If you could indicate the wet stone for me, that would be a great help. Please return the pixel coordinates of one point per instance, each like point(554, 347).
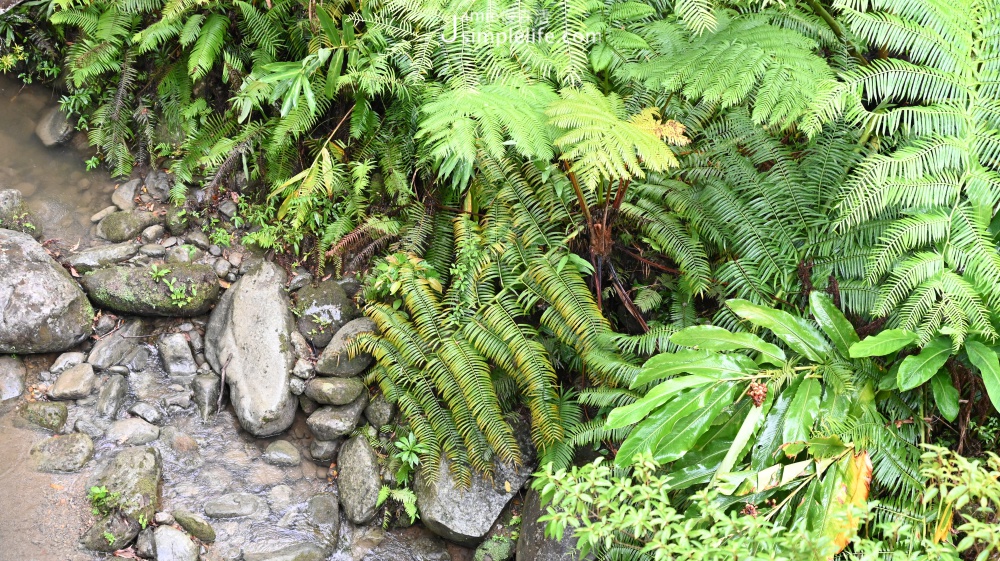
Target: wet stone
point(132, 432)
point(282, 453)
point(12, 374)
point(147, 412)
point(91, 427)
point(380, 412)
point(324, 450)
point(174, 545)
point(214, 250)
point(101, 215)
point(334, 391)
point(221, 268)
point(234, 505)
point(65, 361)
point(46, 414)
point(153, 250)
point(153, 233)
point(198, 239)
point(104, 325)
point(119, 369)
point(228, 209)
point(206, 388)
point(102, 256)
point(296, 552)
point(144, 545)
point(109, 400)
point(195, 525)
point(75, 383)
point(297, 386)
point(332, 422)
point(124, 195)
point(62, 453)
point(280, 498)
point(176, 354)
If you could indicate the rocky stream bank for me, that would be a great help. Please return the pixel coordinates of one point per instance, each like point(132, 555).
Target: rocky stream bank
point(206, 393)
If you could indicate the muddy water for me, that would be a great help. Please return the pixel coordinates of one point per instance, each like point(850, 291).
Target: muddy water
point(61, 194)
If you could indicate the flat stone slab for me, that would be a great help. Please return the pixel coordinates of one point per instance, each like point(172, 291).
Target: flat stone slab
point(63, 453)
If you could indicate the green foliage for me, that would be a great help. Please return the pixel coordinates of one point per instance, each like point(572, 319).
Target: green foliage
point(634, 513)
point(102, 502)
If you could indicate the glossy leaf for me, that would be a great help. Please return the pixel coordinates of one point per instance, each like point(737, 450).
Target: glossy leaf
point(712, 338)
point(832, 321)
point(770, 439)
point(945, 395)
point(826, 446)
point(917, 369)
point(797, 333)
point(802, 412)
point(635, 412)
point(659, 423)
point(676, 442)
point(738, 447)
point(886, 342)
point(703, 363)
point(985, 359)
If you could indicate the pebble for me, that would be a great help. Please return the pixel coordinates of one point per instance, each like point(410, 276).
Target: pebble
point(105, 324)
point(132, 432)
point(279, 498)
point(169, 242)
point(233, 505)
point(75, 383)
point(300, 279)
point(195, 525)
point(164, 518)
point(119, 369)
point(297, 386)
point(236, 259)
point(147, 412)
point(153, 233)
point(153, 250)
point(214, 250)
point(174, 545)
point(89, 427)
point(65, 361)
point(198, 239)
point(103, 214)
point(282, 453)
point(109, 401)
point(228, 209)
point(324, 450)
point(221, 268)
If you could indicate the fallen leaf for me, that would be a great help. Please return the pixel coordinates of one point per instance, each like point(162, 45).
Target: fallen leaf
point(506, 486)
point(56, 486)
point(224, 284)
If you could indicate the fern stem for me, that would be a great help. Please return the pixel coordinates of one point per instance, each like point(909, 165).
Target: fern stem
point(580, 197)
point(834, 25)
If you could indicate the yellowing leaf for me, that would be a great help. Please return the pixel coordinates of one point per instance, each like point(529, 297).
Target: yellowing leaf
point(506, 486)
point(944, 524)
point(855, 477)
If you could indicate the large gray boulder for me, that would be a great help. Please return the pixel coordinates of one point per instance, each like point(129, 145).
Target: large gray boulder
point(133, 290)
point(249, 335)
point(54, 127)
point(358, 481)
point(324, 308)
point(335, 360)
point(465, 515)
point(102, 256)
point(14, 214)
point(532, 545)
point(41, 309)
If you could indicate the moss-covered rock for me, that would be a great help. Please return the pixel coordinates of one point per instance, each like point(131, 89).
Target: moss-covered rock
point(177, 220)
point(46, 414)
point(125, 225)
point(134, 290)
point(14, 214)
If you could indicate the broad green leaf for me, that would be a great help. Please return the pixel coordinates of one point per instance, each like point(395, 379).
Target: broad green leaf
point(945, 395)
point(832, 321)
point(917, 369)
point(826, 446)
point(770, 436)
point(329, 26)
point(676, 442)
point(797, 333)
point(698, 465)
point(635, 412)
point(802, 412)
point(659, 423)
point(738, 448)
point(985, 359)
point(703, 363)
point(333, 73)
point(712, 338)
point(886, 342)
